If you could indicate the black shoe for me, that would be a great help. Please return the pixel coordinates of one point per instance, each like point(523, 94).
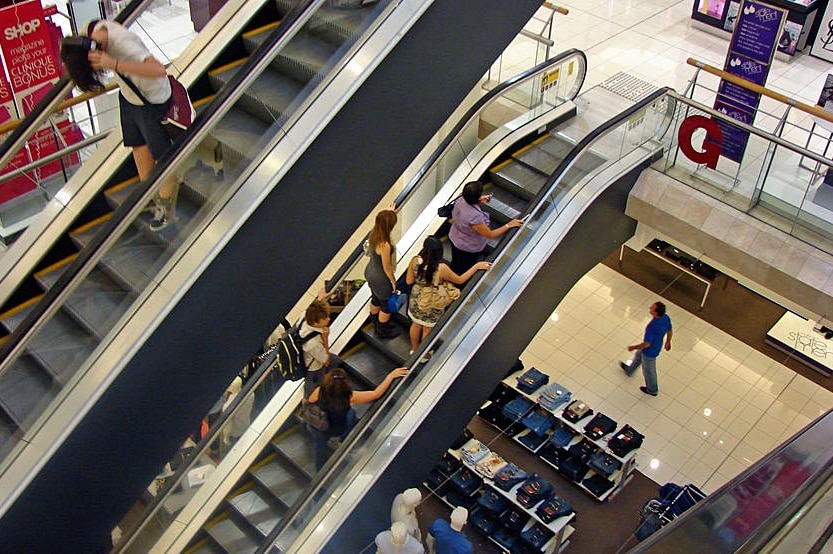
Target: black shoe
point(387, 330)
point(646, 391)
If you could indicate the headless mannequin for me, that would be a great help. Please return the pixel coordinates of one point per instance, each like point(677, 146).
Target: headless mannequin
point(404, 509)
point(443, 538)
point(397, 541)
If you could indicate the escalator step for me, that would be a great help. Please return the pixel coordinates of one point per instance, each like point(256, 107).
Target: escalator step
point(117, 194)
point(231, 537)
point(517, 179)
point(239, 133)
point(61, 346)
point(296, 447)
point(204, 546)
point(23, 388)
point(7, 432)
point(257, 510)
point(132, 260)
point(554, 145)
point(280, 481)
point(12, 317)
point(267, 98)
point(396, 348)
point(331, 24)
point(369, 364)
point(535, 157)
point(302, 59)
point(504, 205)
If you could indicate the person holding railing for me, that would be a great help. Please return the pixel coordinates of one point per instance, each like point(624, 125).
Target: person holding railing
point(337, 399)
point(109, 46)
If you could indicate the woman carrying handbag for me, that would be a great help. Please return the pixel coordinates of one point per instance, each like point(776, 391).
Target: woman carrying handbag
point(429, 275)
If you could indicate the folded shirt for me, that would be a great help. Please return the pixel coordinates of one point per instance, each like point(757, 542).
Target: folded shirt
point(554, 396)
point(490, 465)
point(474, 451)
point(576, 411)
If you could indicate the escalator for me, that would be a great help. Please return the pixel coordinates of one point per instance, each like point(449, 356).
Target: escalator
point(278, 474)
point(149, 372)
point(52, 360)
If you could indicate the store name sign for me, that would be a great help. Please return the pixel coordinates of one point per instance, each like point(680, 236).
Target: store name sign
point(709, 151)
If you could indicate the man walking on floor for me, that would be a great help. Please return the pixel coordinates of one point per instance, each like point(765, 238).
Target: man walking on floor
point(647, 351)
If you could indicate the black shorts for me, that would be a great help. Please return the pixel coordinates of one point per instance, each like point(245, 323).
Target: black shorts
point(142, 125)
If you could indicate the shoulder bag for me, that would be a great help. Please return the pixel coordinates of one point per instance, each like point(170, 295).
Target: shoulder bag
point(437, 296)
point(180, 112)
point(315, 416)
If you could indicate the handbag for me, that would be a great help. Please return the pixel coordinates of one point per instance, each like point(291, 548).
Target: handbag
point(448, 209)
point(395, 301)
point(180, 112)
point(315, 416)
point(437, 297)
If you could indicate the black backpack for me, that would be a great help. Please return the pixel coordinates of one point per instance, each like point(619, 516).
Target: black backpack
point(289, 356)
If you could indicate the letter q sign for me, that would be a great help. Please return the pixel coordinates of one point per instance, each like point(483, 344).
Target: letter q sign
point(710, 150)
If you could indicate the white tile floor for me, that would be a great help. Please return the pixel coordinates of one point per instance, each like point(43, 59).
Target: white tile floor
point(721, 406)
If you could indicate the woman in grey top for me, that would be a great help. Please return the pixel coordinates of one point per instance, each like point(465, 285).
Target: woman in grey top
point(379, 273)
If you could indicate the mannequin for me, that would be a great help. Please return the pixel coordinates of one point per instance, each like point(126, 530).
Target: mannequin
point(397, 541)
point(404, 509)
point(445, 538)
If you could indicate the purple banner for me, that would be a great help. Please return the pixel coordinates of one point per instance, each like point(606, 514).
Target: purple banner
point(751, 50)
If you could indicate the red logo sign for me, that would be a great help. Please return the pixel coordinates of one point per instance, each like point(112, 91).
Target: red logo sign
point(710, 150)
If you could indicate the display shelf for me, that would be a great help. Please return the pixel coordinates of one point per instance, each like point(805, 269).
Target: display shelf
point(619, 477)
point(526, 432)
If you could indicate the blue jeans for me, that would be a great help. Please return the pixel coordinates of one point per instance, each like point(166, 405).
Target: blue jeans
point(322, 450)
point(649, 370)
point(313, 379)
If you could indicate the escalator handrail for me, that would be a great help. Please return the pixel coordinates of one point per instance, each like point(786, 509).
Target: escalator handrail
point(369, 419)
point(122, 216)
point(59, 91)
point(408, 189)
point(214, 430)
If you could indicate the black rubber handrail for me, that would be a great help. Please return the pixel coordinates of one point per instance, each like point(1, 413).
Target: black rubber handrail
point(450, 137)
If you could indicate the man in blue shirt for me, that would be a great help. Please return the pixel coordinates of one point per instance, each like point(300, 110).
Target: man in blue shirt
point(647, 351)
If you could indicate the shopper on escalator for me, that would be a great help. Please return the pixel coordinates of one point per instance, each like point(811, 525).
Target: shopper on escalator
point(379, 273)
point(109, 46)
point(429, 270)
point(337, 399)
point(470, 228)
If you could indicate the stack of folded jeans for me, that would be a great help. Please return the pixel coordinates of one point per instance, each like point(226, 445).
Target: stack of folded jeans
point(604, 464)
point(531, 380)
point(552, 508)
point(539, 420)
point(484, 520)
point(572, 467)
point(493, 501)
point(516, 409)
point(505, 537)
point(537, 536)
point(466, 481)
point(562, 436)
point(584, 450)
point(599, 426)
point(509, 476)
point(474, 451)
point(533, 490)
point(532, 440)
point(502, 394)
point(598, 484)
point(554, 396)
point(625, 440)
point(490, 465)
point(448, 464)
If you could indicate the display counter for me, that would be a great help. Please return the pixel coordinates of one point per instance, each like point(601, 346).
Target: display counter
point(803, 340)
point(721, 15)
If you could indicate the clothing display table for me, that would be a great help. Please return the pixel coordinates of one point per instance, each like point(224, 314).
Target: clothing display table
point(800, 339)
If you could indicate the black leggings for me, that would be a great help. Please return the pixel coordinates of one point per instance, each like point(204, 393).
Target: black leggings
point(462, 261)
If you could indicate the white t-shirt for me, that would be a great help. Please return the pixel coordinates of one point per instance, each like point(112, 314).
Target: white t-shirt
point(124, 44)
point(315, 355)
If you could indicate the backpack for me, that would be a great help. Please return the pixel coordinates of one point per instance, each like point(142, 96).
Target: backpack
point(289, 357)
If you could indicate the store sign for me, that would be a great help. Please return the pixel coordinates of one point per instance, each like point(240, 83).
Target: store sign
point(710, 149)
point(822, 47)
point(751, 50)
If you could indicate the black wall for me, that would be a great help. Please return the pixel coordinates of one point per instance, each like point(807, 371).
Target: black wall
point(584, 246)
point(116, 450)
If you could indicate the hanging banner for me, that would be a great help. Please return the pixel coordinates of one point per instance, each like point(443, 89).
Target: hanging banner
point(751, 50)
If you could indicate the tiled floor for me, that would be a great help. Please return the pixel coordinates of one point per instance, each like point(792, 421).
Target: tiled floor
point(721, 406)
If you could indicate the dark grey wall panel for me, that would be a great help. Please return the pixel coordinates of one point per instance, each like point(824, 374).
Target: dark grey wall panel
point(601, 229)
point(97, 474)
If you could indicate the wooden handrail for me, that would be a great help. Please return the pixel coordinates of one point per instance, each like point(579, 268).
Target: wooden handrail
point(558, 9)
point(80, 99)
point(763, 91)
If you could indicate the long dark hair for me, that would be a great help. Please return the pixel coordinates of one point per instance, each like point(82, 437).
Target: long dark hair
point(385, 221)
point(432, 255)
point(74, 52)
point(335, 392)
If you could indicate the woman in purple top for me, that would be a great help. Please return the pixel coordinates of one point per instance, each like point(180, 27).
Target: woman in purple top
point(470, 228)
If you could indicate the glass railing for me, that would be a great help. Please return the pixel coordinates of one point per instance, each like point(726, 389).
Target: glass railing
point(747, 512)
point(388, 424)
point(48, 146)
point(97, 294)
point(173, 501)
point(781, 177)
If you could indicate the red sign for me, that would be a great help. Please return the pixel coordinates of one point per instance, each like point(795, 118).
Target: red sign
point(710, 150)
